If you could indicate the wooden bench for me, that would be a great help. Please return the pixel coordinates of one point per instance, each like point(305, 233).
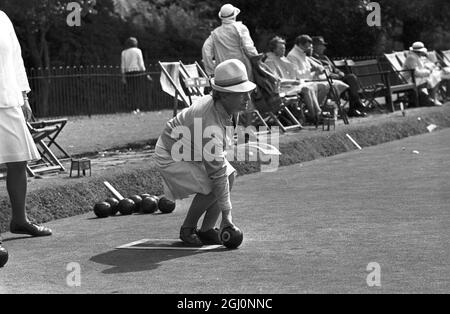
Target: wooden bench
point(379, 79)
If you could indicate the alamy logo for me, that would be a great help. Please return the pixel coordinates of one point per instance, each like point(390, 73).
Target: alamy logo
point(374, 278)
point(74, 17)
point(73, 279)
point(374, 18)
point(208, 144)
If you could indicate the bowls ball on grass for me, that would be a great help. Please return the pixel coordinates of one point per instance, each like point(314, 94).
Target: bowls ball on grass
point(166, 206)
point(231, 237)
point(114, 205)
point(149, 205)
point(126, 207)
point(3, 256)
point(102, 209)
point(137, 201)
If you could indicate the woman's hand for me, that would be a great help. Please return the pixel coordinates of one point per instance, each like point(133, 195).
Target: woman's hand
point(27, 112)
point(227, 221)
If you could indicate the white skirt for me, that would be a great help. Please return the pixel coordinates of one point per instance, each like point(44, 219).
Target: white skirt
point(16, 142)
point(182, 179)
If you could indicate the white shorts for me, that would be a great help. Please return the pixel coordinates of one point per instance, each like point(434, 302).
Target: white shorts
point(16, 142)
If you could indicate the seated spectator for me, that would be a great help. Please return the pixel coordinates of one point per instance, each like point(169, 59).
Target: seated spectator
point(289, 76)
point(427, 75)
point(356, 105)
point(310, 69)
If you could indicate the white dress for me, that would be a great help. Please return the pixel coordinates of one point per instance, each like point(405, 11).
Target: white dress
point(16, 142)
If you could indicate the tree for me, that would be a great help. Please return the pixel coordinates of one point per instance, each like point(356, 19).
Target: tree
point(34, 23)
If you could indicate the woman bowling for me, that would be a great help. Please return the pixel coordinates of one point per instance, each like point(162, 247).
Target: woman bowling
point(16, 144)
point(200, 166)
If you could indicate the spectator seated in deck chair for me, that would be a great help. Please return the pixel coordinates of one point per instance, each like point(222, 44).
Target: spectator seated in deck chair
point(311, 70)
point(290, 81)
point(356, 107)
point(427, 74)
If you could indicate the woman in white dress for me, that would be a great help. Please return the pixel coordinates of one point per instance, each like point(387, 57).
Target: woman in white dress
point(202, 169)
point(16, 143)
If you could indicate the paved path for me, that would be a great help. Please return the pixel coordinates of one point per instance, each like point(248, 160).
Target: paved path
point(308, 228)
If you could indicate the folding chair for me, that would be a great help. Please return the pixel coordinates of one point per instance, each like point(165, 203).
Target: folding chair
point(171, 84)
point(433, 57)
point(284, 117)
point(42, 132)
point(445, 56)
point(398, 83)
point(57, 125)
point(372, 82)
point(401, 56)
point(271, 106)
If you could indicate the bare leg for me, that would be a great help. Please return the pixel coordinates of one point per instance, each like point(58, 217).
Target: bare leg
point(198, 207)
point(213, 212)
point(16, 184)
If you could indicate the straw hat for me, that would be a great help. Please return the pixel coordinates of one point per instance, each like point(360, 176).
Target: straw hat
point(228, 12)
point(418, 46)
point(231, 77)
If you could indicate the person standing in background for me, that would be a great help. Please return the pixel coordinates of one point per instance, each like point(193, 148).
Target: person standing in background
point(134, 74)
point(231, 40)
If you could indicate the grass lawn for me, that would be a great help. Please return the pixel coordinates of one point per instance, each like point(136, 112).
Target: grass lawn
point(308, 228)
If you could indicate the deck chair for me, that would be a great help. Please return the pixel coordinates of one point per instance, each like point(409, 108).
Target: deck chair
point(398, 83)
point(445, 56)
point(284, 118)
point(57, 125)
point(171, 83)
point(401, 56)
point(44, 134)
point(372, 82)
point(271, 106)
point(435, 58)
point(194, 81)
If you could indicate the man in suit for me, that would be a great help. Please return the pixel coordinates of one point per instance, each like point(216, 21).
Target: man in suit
point(356, 105)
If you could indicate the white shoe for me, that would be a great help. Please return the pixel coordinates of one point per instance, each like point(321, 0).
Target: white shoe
point(437, 103)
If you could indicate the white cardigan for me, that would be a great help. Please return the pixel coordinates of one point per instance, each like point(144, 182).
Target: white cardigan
point(13, 77)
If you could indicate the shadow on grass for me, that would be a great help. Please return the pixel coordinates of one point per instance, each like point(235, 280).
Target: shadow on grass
point(132, 261)
point(14, 238)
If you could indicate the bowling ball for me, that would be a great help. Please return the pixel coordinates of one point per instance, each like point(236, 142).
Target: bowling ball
point(126, 206)
point(102, 210)
point(149, 205)
point(145, 195)
point(231, 238)
point(165, 205)
point(137, 200)
point(3, 256)
point(114, 205)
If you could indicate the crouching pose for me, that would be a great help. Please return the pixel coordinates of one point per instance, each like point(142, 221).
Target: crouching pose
point(190, 154)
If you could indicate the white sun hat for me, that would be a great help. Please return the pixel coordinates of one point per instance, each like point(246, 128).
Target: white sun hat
point(228, 12)
point(231, 76)
point(418, 46)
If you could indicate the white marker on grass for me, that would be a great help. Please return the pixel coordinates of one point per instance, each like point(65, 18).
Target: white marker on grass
point(353, 141)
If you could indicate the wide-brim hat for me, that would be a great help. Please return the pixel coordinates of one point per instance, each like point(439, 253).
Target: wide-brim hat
point(228, 11)
point(231, 76)
point(418, 46)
